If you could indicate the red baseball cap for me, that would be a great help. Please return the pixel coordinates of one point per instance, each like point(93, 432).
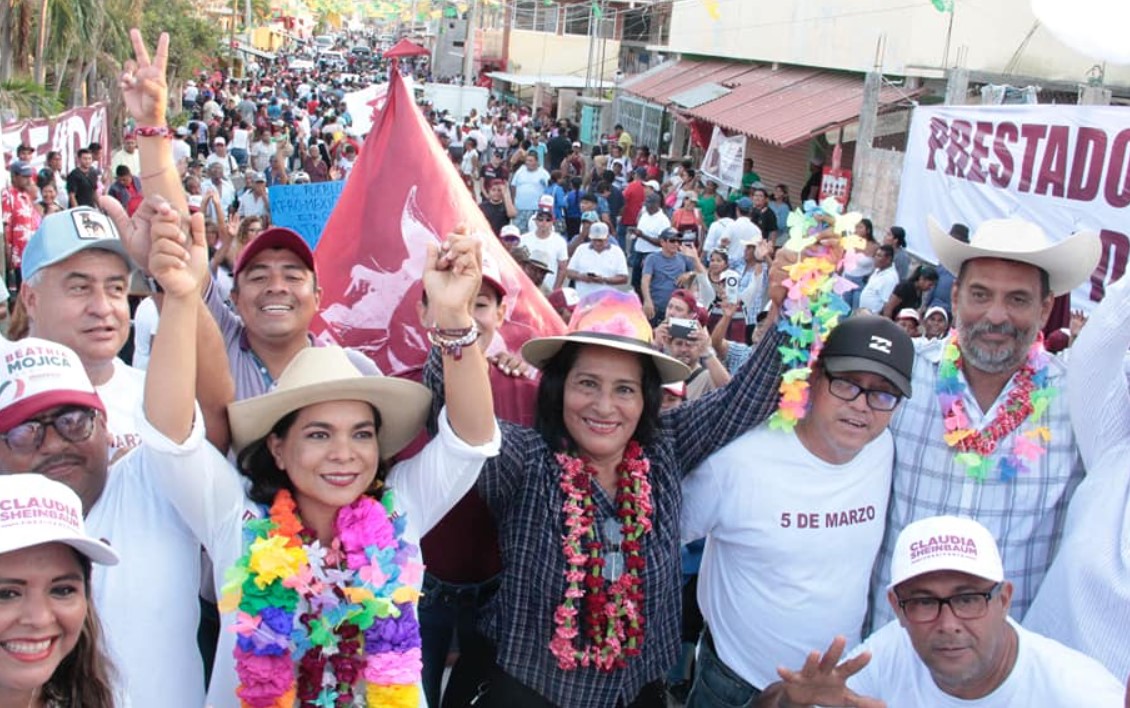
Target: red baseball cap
point(275, 237)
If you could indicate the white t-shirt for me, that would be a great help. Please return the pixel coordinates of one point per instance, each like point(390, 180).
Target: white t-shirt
point(144, 329)
point(226, 193)
point(607, 263)
point(790, 542)
point(528, 186)
point(252, 205)
point(261, 154)
point(714, 236)
point(148, 602)
point(209, 494)
point(878, 290)
point(551, 250)
point(228, 162)
point(1046, 675)
point(240, 139)
point(181, 153)
point(742, 230)
point(652, 225)
point(122, 395)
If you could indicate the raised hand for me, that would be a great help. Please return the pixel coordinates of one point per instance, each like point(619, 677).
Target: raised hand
point(144, 89)
point(823, 680)
point(452, 277)
point(174, 255)
point(133, 230)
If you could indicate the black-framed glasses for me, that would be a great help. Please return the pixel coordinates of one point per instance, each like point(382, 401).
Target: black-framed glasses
point(73, 425)
point(966, 605)
point(877, 399)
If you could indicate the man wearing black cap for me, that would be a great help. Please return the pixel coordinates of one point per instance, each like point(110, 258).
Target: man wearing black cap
point(661, 271)
point(792, 539)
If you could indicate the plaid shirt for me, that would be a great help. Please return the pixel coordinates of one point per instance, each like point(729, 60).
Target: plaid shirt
point(522, 488)
point(1026, 514)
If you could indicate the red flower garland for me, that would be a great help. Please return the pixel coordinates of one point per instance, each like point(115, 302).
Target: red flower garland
point(614, 622)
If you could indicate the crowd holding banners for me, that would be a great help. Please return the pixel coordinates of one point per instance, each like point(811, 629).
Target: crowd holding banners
point(555, 641)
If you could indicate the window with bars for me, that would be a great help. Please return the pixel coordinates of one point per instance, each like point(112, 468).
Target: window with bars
point(535, 15)
point(581, 17)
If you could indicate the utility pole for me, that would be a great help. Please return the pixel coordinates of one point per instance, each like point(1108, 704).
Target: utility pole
point(469, 45)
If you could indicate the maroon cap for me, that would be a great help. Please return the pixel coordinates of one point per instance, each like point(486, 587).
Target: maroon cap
point(275, 237)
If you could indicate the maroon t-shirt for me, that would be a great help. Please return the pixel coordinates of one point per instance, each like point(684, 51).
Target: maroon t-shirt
point(463, 546)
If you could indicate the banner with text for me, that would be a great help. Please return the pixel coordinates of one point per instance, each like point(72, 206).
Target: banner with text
point(1066, 168)
point(723, 160)
point(66, 133)
point(304, 207)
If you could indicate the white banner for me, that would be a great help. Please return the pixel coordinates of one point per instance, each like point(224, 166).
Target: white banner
point(1066, 168)
point(723, 160)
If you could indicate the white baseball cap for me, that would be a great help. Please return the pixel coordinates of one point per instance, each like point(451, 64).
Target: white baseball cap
point(509, 230)
point(940, 543)
point(35, 510)
point(908, 313)
point(598, 231)
point(653, 184)
point(39, 375)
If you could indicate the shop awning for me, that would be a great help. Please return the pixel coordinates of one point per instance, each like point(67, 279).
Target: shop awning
point(782, 106)
point(557, 81)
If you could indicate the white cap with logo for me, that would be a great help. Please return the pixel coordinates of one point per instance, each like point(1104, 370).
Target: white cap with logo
point(35, 510)
point(940, 543)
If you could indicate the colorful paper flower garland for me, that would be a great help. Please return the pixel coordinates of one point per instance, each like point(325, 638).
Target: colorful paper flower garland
point(814, 302)
point(313, 621)
point(1028, 400)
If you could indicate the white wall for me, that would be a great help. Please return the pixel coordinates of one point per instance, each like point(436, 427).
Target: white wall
point(843, 34)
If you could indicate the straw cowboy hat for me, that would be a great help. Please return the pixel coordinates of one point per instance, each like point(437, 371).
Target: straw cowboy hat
point(1068, 262)
point(321, 374)
point(608, 318)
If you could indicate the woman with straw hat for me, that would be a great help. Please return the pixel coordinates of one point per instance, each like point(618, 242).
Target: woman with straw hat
point(587, 503)
point(324, 571)
point(51, 653)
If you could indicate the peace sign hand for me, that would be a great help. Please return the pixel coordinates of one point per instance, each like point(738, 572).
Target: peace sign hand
point(144, 90)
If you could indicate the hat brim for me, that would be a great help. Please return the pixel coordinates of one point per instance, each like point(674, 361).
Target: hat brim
point(1068, 263)
point(539, 351)
point(844, 364)
point(96, 551)
point(403, 406)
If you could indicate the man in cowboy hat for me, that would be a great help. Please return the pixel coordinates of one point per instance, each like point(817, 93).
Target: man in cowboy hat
point(986, 437)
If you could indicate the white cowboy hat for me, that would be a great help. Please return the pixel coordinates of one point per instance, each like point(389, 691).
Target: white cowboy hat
point(321, 374)
point(1067, 263)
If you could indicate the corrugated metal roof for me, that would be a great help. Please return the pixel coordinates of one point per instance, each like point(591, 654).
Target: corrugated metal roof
point(699, 95)
point(781, 106)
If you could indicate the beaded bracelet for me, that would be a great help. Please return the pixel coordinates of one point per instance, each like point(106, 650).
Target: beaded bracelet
point(152, 131)
point(450, 346)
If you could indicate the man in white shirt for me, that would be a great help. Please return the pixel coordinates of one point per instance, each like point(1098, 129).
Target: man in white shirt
point(261, 151)
point(220, 156)
point(127, 155)
point(881, 283)
point(182, 151)
point(54, 423)
point(952, 642)
point(598, 264)
point(254, 200)
point(816, 499)
point(743, 229)
point(529, 184)
point(224, 189)
point(645, 236)
point(543, 241)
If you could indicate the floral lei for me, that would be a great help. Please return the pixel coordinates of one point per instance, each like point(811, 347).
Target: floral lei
point(1029, 398)
point(313, 621)
point(613, 615)
point(814, 302)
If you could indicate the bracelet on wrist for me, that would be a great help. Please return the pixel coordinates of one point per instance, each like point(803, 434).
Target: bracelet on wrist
point(453, 346)
point(153, 131)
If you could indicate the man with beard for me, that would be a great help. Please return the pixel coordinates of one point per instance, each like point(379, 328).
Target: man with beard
point(990, 435)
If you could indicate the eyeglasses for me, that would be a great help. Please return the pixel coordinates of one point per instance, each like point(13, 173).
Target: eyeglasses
point(966, 605)
point(877, 399)
point(543, 217)
point(75, 425)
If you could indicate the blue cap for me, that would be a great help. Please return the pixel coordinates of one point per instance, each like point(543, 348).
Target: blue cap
point(65, 233)
point(21, 168)
point(745, 203)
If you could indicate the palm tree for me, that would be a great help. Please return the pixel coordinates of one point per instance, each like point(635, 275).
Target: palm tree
point(23, 97)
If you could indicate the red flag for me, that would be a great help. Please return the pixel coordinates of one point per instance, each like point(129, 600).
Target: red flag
point(402, 194)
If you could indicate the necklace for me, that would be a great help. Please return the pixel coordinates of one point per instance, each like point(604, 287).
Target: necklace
point(613, 621)
point(313, 622)
point(1028, 399)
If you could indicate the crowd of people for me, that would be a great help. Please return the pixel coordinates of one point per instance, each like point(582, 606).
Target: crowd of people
point(616, 516)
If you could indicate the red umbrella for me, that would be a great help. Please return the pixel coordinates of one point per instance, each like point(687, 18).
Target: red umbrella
point(404, 48)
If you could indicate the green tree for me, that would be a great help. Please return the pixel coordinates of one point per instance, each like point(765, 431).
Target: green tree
point(192, 39)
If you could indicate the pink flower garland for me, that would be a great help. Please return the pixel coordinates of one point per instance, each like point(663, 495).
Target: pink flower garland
point(614, 621)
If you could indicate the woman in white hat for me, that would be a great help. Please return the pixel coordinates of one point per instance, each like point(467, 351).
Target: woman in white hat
point(51, 653)
point(587, 504)
point(324, 569)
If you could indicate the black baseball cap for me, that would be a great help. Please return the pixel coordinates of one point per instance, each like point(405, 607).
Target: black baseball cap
point(872, 344)
point(670, 235)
